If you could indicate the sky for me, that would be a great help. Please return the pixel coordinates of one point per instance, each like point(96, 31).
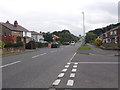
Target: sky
point(57, 15)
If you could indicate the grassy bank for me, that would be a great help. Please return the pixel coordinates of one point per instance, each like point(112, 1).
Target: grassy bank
point(84, 47)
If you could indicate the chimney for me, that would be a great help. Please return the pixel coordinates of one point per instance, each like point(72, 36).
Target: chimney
point(7, 22)
point(15, 23)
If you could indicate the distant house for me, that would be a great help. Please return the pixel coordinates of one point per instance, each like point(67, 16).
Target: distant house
point(10, 32)
point(111, 37)
point(55, 37)
point(38, 37)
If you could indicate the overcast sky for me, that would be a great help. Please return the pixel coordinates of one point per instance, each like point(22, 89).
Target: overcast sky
point(56, 15)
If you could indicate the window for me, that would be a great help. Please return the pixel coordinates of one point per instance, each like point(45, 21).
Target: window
point(111, 33)
point(115, 32)
point(5, 34)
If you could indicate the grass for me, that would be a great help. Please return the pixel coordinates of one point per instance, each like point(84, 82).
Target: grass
point(112, 47)
point(84, 47)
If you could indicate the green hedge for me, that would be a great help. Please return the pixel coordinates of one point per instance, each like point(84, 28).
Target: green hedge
point(40, 45)
point(34, 45)
point(31, 45)
point(11, 45)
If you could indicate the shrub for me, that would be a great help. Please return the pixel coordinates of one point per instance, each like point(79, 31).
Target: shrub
point(31, 45)
point(11, 45)
point(2, 44)
point(98, 41)
point(19, 39)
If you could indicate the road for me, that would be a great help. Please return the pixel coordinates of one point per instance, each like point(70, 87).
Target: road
point(59, 68)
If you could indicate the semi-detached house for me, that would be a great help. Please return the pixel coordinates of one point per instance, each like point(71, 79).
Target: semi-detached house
point(38, 37)
point(111, 37)
point(10, 32)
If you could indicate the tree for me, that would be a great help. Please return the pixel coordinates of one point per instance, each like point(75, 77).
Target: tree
point(90, 37)
point(48, 37)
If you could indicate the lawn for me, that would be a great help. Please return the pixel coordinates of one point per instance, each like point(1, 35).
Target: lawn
point(84, 47)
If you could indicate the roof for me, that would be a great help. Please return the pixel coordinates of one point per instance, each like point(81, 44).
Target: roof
point(35, 33)
point(13, 28)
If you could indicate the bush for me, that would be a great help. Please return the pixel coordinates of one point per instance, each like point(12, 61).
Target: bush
point(98, 41)
point(2, 44)
point(19, 39)
point(31, 45)
point(11, 45)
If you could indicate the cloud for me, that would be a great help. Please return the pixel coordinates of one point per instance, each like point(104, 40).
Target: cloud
point(51, 15)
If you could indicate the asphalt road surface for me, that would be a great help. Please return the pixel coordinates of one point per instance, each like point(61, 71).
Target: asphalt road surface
point(59, 68)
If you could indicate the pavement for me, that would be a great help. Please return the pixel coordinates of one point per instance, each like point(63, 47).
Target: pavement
point(63, 67)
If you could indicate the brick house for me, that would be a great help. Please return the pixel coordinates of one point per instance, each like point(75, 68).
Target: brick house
point(10, 32)
point(111, 37)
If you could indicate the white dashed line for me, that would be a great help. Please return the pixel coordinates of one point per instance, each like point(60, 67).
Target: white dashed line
point(10, 64)
point(35, 56)
point(43, 54)
point(56, 82)
point(75, 66)
point(72, 75)
point(70, 82)
point(67, 66)
point(76, 63)
point(61, 75)
point(64, 70)
point(74, 70)
point(68, 63)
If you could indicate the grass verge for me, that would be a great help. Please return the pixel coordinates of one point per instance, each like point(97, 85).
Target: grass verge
point(84, 47)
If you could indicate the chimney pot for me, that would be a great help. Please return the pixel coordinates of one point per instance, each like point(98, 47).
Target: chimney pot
point(7, 22)
point(16, 23)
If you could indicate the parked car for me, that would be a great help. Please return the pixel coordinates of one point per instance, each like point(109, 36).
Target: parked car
point(55, 45)
point(66, 43)
point(72, 43)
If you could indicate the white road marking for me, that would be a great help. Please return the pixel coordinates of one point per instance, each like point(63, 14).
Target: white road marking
point(43, 54)
point(35, 56)
point(67, 66)
point(70, 82)
point(61, 75)
point(75, 66)
point(74, 70)
point(10, 64)
point(76, 63)
point(68, 63)
point(72, 75)
point(97, 62)
point(56, 82)
point(64, 70)
point(72, 57)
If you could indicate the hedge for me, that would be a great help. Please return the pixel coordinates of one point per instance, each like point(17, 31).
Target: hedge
point(31, 45)
point(10, 44)
point(40, 45)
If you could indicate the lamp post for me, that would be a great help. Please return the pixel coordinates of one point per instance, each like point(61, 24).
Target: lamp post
point(83, 26)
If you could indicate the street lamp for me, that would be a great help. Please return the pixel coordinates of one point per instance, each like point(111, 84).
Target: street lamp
point(83, 26)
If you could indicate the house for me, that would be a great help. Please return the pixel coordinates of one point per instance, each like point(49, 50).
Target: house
point(111, 37)
point(38, 37)
point(55, 37)
point(10, 32)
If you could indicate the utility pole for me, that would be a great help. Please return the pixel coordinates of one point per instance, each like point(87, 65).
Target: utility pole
point(83, 26)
